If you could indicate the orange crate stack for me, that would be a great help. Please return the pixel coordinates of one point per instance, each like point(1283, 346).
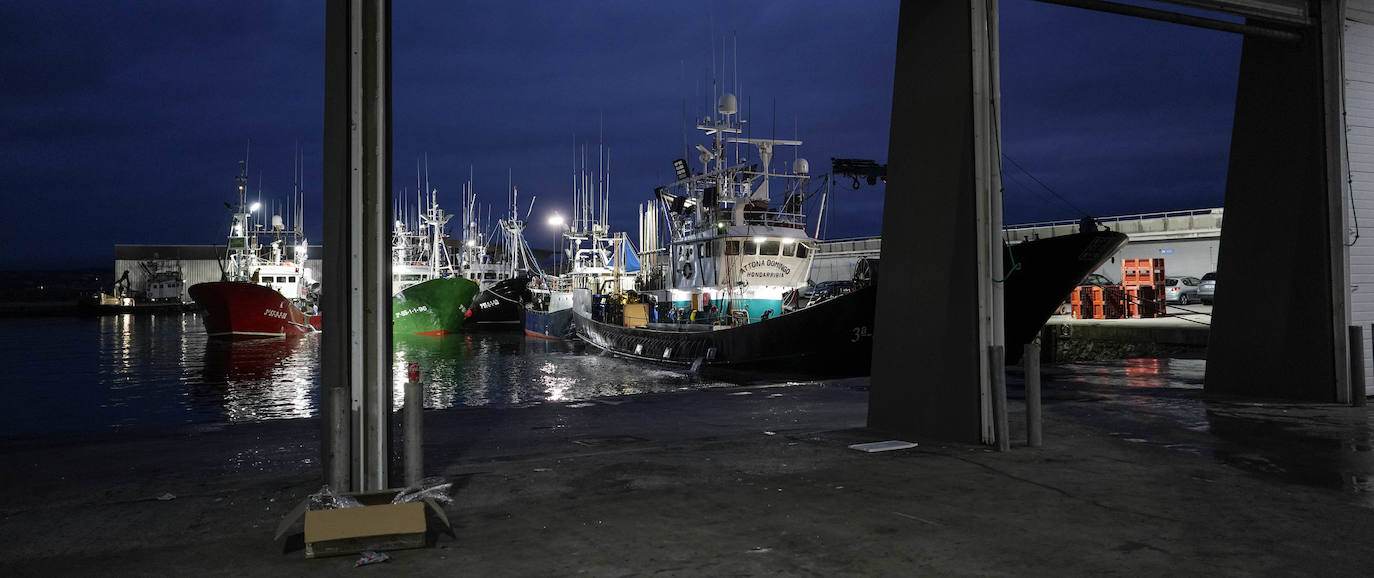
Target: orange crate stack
point(1143, 274)
point(1099, 303)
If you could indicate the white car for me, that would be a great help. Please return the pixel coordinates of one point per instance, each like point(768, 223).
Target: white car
point(1181, 290)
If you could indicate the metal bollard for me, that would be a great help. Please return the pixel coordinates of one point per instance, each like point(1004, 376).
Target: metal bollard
point(1031, 364)
point(998, 367)
point(414, 428)
point(1356, 348)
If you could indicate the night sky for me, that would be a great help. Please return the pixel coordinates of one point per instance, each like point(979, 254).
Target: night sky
point(125, 123)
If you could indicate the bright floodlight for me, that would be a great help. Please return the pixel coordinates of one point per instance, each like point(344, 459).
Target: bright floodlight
point(556, 220)
point(472, 243)
point(254, 207)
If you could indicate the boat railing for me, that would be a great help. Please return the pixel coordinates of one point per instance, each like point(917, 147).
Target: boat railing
point(762, 217)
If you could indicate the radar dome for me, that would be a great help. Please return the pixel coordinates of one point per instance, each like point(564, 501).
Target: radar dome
point(801, 167)
point(727, 104)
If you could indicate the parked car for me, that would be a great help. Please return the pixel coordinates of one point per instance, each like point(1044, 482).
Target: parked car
point(827, 289)
point(1097, 279)
point(1207, 288)
point(1181, 290)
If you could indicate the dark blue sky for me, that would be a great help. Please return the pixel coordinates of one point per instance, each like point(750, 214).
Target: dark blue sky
point(125, 123)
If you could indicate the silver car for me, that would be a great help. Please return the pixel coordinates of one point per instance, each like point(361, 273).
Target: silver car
point(1181, 290)
point(1207, 288)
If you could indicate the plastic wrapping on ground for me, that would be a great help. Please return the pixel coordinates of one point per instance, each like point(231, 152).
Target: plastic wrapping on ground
point(328, 499)
point(371, 558)
point(434, 487)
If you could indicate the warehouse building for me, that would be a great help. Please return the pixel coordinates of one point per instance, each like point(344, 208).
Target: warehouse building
point(198, 263)
point(1186, 240)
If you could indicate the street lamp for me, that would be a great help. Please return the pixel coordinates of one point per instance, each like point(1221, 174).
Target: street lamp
point(555, 221)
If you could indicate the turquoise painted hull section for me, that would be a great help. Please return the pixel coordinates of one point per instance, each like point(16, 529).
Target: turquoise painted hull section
point(755, 307)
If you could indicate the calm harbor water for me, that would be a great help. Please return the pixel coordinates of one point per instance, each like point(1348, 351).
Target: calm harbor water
point(80, 375)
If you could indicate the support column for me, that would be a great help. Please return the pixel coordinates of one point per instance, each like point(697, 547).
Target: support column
point(356, 301)
point(1279, 325)
point(939, 305)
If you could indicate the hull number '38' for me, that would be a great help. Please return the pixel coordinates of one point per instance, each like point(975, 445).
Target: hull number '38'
point(860, 333)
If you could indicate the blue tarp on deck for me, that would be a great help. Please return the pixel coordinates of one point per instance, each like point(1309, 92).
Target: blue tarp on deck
point(631, 258)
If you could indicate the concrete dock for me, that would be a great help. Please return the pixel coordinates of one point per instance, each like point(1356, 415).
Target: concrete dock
point(1182, 333)
point(1141, 474)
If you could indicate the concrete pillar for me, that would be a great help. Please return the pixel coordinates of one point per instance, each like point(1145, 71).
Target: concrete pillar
point(356, 301)
point(931, 372)
point(1279, 325)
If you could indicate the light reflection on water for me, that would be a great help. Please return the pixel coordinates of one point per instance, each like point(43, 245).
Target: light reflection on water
point(70, 375)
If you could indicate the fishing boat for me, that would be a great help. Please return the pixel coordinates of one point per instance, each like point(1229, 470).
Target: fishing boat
point(429, 297)
point(724, 291)
point(597, 261)
point(265, 288)
point(161, 293)
point(507, 268)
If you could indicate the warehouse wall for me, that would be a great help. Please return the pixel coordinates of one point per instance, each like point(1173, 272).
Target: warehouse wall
point(1182, 257)
point(1359, 142)
point(194, 270)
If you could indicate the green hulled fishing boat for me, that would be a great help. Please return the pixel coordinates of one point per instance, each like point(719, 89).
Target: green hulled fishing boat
point(429, 298)
point(433, 307)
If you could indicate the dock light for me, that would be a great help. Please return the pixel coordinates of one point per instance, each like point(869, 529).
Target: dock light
point(720, 225)
point(760, 239)
point(254, 207)
point(556, 220)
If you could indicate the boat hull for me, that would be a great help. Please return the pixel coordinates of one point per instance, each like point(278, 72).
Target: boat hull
point(245, 310)
point(502, 306)
point(834, 337)
point(433, 307)
point(1048, 271)
point(550, 324)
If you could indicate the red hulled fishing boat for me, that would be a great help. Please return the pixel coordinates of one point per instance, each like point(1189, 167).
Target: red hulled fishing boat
point(263, 292)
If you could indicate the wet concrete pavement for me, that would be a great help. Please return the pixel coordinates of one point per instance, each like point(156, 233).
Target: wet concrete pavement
point(1141, 474)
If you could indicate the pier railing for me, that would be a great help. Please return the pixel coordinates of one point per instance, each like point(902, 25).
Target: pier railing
point(1198, 222)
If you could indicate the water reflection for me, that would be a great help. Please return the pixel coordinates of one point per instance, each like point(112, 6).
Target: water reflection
point(1136, 373)
point(257, 379)
point(74, 375)
point(509, 369)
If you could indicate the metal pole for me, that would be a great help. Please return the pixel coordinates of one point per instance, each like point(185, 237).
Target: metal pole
point(997, 355)
point(1357, 390)
point(339, 444)
point(356, 345)
point(1030, 362)
point(414, 432)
